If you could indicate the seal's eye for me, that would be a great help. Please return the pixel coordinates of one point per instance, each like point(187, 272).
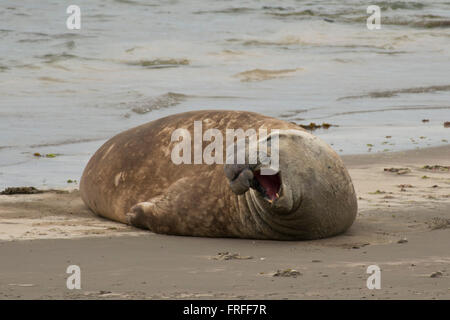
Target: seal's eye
point(268, 185)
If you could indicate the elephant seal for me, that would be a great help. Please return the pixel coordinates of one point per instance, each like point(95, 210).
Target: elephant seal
point(133, 179)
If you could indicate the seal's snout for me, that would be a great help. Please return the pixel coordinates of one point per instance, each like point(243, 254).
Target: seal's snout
point(240, 178)
point(244, 177)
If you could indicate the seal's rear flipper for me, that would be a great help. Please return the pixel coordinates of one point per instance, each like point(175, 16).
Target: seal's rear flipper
point(137, 216)
point(152, 215)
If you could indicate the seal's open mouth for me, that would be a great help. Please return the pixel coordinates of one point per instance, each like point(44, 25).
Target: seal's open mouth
point(268, 185)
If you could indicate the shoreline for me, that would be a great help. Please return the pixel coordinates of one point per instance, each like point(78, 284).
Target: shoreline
point(440, 153)
point(349, 159)
point(403, 225)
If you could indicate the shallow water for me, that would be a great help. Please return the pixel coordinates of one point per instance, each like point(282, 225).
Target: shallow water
point(66, 92)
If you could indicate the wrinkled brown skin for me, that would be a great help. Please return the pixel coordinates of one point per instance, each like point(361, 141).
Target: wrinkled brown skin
point(133, 174)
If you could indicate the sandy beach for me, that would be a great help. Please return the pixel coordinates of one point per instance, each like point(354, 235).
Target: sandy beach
point(402, 226)
point(376, 90)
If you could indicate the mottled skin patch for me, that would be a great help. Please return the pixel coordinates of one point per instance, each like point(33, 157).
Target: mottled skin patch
point(136, 182)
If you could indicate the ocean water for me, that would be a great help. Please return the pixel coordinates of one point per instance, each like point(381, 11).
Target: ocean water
point(65, 92)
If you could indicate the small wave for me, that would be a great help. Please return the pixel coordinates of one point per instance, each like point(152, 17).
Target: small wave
point(281, 40)
point(3, 68)
point(350, 10)
point(28, 66)
point(69, 35)
point(404, 108)
point(51, 79)
point(429, 16)
point(55, 57)
point(261, 74)
point(342, 60)
point(127, 1)
point(401, 21)
point(159, 63)
point(414, 22)
point(228, 53)
point(136, 3)
point(101, 16)
point(277, 8)
point(400, 108)
point(292, 40)
point(167, 100)
point(33, 40)
point(64, 142)
point(307, 12)
point(392, 93)
point(38, 34)
point(430, 24)
point(392, 52)
point(233, 10)
point(352, 15)
point(395, 5)
point(292, 113)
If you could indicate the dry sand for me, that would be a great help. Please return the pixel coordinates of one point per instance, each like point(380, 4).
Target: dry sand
point(42, 234)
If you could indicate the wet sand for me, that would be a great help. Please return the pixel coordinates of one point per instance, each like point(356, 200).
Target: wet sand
point(403, 226)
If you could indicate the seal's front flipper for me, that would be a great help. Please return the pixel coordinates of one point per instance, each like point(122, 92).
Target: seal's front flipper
point(168, 213)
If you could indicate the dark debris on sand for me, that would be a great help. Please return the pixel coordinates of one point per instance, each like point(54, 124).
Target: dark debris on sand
point(313, 126)
point(230, 256)
point(29, 190)
point(398, 170)
point(287, 273)
point(437, 167)
point(439, 223)
point(21, 190)
point(436, 274)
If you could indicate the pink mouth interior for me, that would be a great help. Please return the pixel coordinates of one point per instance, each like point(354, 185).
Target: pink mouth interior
point(270, 183)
